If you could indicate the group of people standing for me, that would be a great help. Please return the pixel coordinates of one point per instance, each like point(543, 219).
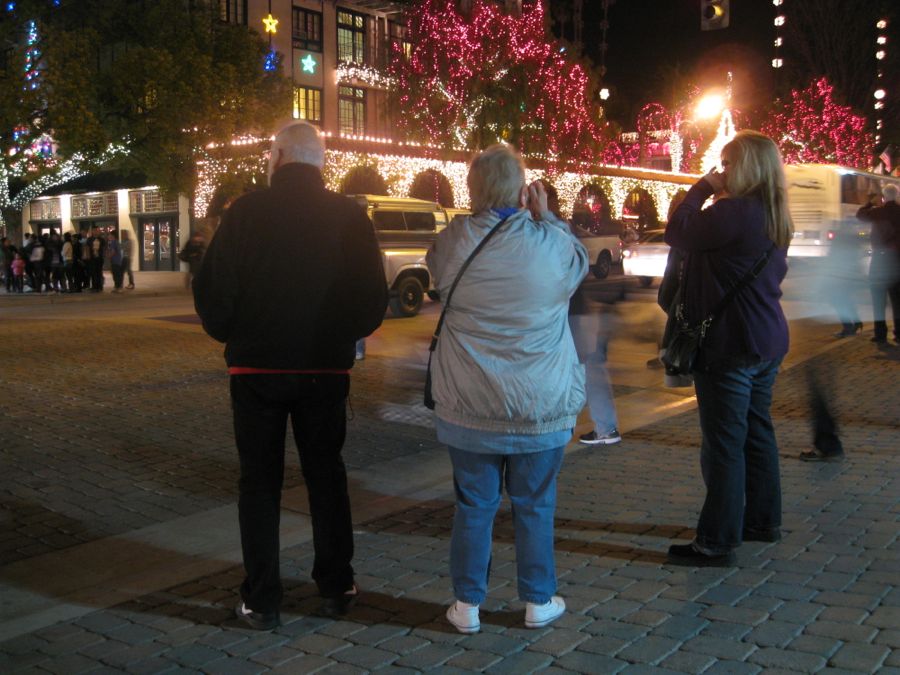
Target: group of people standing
point(506, 383)
point(70, 263)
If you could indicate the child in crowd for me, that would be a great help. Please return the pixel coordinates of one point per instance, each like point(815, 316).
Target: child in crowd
point(18, 272)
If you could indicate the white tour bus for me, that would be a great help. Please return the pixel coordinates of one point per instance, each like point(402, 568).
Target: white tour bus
point(821, 196)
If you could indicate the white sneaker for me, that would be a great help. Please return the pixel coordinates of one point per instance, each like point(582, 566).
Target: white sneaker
point(538, 616)
point(464, 617)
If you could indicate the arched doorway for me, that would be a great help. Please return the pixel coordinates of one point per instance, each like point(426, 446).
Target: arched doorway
point(639, 210)
point(364, 180)
point(591, 210)
point(433, 186)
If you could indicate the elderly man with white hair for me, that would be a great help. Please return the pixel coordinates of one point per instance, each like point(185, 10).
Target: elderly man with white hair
point(291, 280)
point(884, 272)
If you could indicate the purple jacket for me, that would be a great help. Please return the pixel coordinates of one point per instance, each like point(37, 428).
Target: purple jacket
point(722, 243)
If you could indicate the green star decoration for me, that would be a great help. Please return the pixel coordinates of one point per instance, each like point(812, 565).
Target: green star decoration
point(309, 64)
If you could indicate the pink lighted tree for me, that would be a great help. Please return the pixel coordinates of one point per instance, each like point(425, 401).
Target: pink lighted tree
point(475, 79)
point(814, 128)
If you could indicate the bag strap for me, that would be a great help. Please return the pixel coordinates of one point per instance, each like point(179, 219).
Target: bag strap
point(440, 323)
point(751, 274)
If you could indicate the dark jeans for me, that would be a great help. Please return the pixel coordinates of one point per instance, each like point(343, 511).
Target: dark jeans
point(126, 266)
point(884, 284)
point(96, 269)
point(118, 274)
point(739, 455)
point(316, 405)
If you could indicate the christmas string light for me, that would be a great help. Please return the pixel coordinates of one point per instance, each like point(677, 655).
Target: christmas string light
point(812, 128)
point(399, 172)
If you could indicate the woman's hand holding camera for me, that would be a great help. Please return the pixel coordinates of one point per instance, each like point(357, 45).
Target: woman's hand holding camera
point(534, 198)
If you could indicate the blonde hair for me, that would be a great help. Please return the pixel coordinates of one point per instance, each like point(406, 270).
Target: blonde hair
point(496, 177)
point(756, 170)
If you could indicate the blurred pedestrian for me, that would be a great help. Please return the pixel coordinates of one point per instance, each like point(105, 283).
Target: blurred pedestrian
point(821, 386)
point(292, 279)
point(114, 255)
point(7, 255)
point(96, 247)
point(742, 238)
point(68, 259)
point(192, 254)
point(507, 384)
point(17, 270)
point(841, 275)
point(884, 271)
point(127, 245)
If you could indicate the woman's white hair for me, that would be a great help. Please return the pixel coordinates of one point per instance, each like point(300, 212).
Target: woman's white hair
point(496, 177)
point(890, 192)
point(297, 142)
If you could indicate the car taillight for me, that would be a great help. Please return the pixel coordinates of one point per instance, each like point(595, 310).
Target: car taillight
point(626, 253)
point(830, 235)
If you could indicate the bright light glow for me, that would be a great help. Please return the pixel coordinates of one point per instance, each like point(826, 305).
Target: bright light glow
point(709, 106)
point(777, 63)
point(779, 41)
point(271, 24)
point(881, 39)
point(779, 20)
point(879, 94)
point(882, 24)
point(604, 93)
point(777, 3)
point(879, 105)
point(880, 54)
point(308, 64)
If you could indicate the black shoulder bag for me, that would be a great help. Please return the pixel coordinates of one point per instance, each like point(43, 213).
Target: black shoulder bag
point(429, 401)
point(684, 345)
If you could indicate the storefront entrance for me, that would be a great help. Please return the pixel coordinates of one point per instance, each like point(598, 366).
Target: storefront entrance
point(159, 243)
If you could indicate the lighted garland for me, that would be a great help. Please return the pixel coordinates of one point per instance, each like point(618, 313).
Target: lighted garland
point(368, 75)
point(400, 171)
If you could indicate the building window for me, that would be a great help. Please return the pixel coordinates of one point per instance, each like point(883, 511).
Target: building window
point(306, 30)
point(351, 36)
point(308, 104)
point(352, 110)
point(397, 39)
point(233, 11)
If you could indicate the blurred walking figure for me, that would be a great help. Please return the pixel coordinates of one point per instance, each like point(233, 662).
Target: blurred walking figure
point(884, 272)
point(127, 245)
point(744, 235)
point(841, 276)
point(822, 383)
point(506, 381)
point(192, 254)
point(292, 279)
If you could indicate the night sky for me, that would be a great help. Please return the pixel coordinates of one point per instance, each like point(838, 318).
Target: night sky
point(649, 39)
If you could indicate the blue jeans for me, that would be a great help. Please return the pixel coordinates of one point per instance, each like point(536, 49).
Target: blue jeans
point(530, 481)
point(738, 457)
point(591, 335)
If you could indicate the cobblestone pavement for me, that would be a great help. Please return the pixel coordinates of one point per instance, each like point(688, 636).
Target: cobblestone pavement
point(113, 429)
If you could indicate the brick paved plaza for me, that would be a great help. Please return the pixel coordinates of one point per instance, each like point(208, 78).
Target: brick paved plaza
point(119, 548)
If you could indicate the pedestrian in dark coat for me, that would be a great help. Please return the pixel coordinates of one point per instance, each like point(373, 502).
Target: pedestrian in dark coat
point(291, 280)
point(884, 271)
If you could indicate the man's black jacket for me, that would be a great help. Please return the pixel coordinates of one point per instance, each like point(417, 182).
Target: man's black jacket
point(293, 276)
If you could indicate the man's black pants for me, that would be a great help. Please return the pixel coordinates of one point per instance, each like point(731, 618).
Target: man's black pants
point(316, 405)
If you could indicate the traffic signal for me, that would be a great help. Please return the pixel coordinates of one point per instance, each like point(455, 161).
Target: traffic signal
point(713, 14)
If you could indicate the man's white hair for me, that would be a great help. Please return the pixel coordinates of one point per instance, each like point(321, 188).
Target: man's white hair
point(297, 142)
point(890, 192)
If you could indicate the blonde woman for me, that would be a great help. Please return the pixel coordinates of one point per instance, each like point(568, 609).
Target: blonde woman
point(506, 379)
point(743, 347)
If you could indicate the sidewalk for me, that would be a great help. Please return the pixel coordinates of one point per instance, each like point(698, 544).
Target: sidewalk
point(145, 283)
point(119, 547)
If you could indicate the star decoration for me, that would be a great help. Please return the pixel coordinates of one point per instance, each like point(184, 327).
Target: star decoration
point(271, 22)
point(309, 64)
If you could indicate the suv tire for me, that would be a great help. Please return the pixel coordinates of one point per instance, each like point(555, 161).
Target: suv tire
point(408, 298)
point(604, 262)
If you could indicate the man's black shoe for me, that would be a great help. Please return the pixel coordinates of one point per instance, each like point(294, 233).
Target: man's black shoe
point(340, 605)
point(686, 554)
point(769, 536)
point(256, 620)
point(879, 340)
point(819, 456)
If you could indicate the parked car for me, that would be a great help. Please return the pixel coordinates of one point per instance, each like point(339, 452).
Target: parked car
point(604, 247)
point(646, 258)
point(405, 229)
